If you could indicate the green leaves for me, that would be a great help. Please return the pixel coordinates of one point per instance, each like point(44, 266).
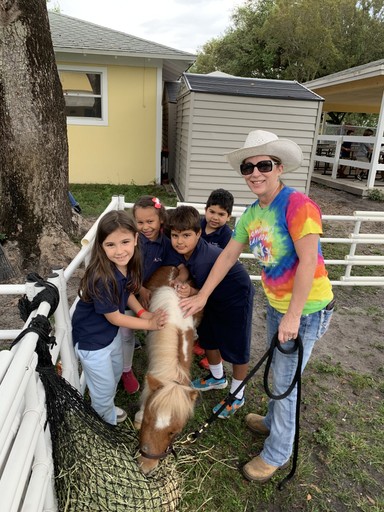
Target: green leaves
point(296, 39)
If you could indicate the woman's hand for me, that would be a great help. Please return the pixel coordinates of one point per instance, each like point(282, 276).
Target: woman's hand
point(288, 328)
point(157, 319)
point(193, 305)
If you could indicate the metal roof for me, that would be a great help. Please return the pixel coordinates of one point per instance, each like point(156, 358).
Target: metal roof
point(72, 35)
point(254, 87)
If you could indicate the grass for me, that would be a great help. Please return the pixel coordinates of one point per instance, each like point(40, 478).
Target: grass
point(93, 199)
point(340, 465)
point(341, 457)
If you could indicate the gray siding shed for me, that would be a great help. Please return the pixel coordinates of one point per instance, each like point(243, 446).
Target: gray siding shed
point(214, 115)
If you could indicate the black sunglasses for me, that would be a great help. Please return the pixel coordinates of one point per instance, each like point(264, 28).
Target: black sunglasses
point(263, 166)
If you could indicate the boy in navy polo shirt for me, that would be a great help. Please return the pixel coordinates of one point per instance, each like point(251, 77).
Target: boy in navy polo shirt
point(225, 330)
point(218, 211)
point(215, 230)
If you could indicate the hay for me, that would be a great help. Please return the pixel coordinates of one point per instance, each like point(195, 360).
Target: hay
point(95, 462)
point(99, 473)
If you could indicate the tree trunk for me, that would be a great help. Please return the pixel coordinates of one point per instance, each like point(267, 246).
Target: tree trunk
point(35, 210)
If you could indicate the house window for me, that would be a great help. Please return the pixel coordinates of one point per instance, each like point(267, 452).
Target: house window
point(85, 94)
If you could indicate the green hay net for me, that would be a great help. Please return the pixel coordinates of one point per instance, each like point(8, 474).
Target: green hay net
point(94, 462)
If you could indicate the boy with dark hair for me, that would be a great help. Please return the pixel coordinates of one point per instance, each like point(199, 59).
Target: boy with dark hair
point(225, 330)
point(218, 211)
point(215, 230)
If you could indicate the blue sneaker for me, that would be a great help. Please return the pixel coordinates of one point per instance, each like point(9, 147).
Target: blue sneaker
point(230, 409)
point(210, 382)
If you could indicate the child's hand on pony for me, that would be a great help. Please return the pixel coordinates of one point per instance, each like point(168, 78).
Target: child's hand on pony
point(157, 319)
point(183, 290)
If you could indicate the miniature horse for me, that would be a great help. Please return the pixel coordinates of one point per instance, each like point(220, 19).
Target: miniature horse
point(167, 401)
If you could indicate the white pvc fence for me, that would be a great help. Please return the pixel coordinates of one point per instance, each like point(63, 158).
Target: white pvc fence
point(354, 239)
point(26, 466)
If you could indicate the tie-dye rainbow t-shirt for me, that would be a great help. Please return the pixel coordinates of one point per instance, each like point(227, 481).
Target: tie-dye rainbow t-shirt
point(271, 233)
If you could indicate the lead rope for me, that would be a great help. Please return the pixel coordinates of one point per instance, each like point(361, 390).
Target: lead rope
point(275, 344)
point(298, 346)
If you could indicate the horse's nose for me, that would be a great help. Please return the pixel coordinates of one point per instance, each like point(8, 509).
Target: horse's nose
point(147, 465)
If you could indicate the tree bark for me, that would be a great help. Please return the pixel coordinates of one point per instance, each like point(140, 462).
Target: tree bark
point(33, 134)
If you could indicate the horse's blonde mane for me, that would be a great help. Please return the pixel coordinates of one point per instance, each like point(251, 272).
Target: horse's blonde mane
point(164, 352)
point(173, 399)
point(166, 349)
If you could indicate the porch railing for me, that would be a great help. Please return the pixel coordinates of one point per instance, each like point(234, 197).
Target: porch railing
point(328, 152)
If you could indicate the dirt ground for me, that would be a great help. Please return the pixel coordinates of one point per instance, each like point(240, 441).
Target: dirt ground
point(355, 337)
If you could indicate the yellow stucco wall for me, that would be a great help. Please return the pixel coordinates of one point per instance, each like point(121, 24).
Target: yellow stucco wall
point(125, 150)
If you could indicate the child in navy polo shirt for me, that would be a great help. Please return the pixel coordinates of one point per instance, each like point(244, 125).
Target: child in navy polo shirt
point(215, 230)
point(218, 211)
point(109, 284)
point(225, 330)
point(156, 251)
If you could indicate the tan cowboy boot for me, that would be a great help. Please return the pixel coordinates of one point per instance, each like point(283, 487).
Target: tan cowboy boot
point(255, 422)
point(257, 470)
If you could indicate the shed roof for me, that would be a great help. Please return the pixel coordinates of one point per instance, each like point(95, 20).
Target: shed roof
point(358, 89)
point(72, 35)
point(254, 87)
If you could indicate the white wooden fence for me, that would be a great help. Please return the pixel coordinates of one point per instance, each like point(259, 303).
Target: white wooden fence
point(331, 157)
point(26, 466)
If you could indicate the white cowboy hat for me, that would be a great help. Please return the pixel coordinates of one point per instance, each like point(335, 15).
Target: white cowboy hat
point(260, 142)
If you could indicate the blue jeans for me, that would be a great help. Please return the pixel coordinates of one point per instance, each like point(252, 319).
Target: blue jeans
point(280, 418)
point(102, 369)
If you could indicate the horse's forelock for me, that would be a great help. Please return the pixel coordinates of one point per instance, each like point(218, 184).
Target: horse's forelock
point(173, 399)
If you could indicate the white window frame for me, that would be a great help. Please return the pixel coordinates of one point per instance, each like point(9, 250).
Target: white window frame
point(91, 121)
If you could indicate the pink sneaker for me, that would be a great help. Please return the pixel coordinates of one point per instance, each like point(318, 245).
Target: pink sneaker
point(131, 384)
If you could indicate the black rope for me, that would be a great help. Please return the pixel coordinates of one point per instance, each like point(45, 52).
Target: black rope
point(298, 346)
point(268, 355)
point(41, 326)
point(227, 400)
point(49, 294)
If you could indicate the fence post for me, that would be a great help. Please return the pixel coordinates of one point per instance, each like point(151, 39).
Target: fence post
point(63, 331)
point(352, 250)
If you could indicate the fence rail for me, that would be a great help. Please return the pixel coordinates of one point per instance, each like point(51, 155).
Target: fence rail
point(328, 153)
point(26, 466)
point(354, 239)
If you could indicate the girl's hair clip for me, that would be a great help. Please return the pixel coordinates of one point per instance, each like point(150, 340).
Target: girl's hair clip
point(156, 200)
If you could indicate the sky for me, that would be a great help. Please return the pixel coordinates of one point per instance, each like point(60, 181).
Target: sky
point(181, 24)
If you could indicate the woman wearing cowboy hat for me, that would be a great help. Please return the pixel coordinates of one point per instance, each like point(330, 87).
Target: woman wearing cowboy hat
point(282, 228)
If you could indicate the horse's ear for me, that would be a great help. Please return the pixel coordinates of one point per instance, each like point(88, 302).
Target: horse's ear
point(193, 394)
point(153, 383)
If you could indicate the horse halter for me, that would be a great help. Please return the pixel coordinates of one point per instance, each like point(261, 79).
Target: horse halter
point(160, 456)
point(169, 450)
